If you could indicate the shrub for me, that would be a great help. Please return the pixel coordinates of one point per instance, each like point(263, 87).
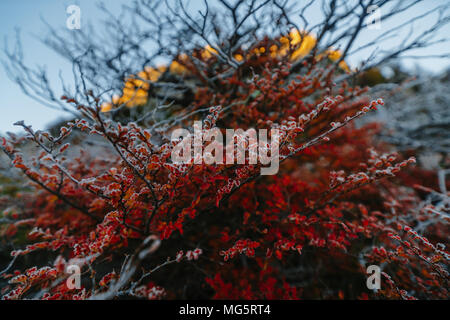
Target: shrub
point(139, 225)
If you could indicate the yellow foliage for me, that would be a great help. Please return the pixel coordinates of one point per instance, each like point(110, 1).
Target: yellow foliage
point(239, 57)
point(304, 41)
point(135, 90)
point(208, 52)
point(335, 55)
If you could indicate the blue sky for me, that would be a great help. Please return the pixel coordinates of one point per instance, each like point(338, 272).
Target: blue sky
point(27, 15)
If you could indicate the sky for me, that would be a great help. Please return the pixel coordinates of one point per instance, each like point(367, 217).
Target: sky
point(27, 15)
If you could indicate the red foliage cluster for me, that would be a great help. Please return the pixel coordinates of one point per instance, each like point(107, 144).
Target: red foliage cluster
point(126, 216)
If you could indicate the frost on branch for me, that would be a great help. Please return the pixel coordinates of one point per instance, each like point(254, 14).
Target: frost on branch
point(102, 193)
